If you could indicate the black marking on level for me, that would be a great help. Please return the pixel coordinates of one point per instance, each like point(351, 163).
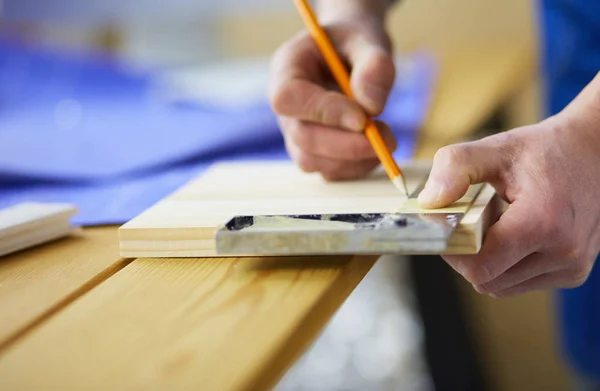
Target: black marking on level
point(359, 220)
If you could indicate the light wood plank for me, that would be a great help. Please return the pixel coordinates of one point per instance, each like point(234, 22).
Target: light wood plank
point(186, 324)
point(184, 224)
point(37, 282)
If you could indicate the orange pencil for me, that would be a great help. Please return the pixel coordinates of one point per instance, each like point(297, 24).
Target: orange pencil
point(343, 79)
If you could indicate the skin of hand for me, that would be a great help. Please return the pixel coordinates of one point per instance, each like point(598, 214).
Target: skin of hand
point(322, 128)
point(549, 236)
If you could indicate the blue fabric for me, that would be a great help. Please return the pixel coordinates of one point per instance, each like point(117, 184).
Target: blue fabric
point(571, 59)
point(84, 129)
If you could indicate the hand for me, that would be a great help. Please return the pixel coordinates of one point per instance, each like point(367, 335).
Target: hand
point(549, 236)
point(322, 128)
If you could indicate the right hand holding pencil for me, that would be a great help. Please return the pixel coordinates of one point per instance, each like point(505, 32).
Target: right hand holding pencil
point(322, 128)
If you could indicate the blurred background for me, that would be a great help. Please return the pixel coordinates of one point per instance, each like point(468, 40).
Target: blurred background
point(378, 339)
point(195, 32)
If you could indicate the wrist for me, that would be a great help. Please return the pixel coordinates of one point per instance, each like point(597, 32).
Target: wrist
point(583, 113)
point(330, 11)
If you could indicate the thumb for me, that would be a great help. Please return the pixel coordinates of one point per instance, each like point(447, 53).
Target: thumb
point(373, 71)
point(458, 166)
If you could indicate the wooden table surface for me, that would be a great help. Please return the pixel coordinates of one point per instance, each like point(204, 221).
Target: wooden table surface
point(76, 315)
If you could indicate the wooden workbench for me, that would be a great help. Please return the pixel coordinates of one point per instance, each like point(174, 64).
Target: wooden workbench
point(76, 315)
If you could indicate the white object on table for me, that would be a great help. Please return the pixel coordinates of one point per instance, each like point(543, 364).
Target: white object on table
point(30, 224)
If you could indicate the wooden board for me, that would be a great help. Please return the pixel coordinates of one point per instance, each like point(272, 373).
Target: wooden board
point(184, 224)
point(38, 282)
point(185, 324)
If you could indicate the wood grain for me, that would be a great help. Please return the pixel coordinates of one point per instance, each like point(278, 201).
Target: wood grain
point(186, 324)
point(38, 282)
point(184, 224)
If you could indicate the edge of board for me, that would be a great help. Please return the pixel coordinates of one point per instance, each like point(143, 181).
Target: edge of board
point(163, 242)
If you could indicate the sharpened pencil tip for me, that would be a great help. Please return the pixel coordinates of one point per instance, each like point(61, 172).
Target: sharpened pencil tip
point(400, 184)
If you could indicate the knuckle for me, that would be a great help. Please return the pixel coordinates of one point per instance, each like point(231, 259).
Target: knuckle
point(284, 54)
point(575, 253)
point(306, 162)
point(313, 107)
point(577, 276)
point(383, 63)
point(325, 108)
point(477, 277)
point(450, 155)
point(282, 96)
point(579, 266)
point(507, 143)
point(574, 248)
point(302, 136)
point(477, 274)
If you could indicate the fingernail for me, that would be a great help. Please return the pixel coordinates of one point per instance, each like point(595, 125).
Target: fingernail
point(376, 97)
point(430, 194)
point(352, 121)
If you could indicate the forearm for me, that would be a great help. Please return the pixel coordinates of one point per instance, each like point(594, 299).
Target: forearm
point(330, 10)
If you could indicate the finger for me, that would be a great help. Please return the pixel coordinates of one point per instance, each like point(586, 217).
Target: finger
point(513, 237)
point(330, 169)
point(373, 73)
point(297, 89)
point(334, 143)
point(455, 167)
point(555, 280)
point(531, 266)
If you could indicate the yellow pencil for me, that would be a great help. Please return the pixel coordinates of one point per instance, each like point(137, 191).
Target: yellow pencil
point(343, 79)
